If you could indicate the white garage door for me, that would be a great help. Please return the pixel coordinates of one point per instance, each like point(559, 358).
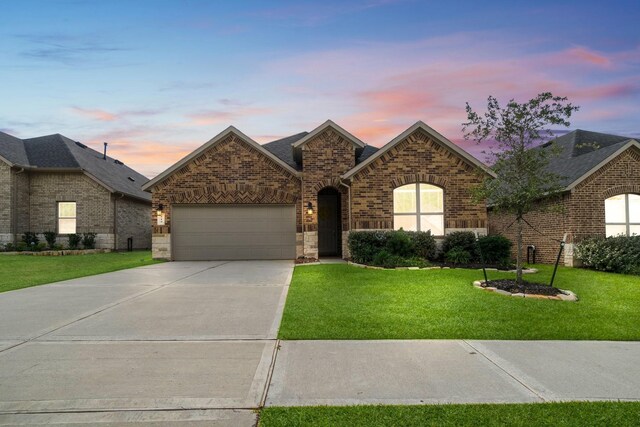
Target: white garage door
point(227, 232)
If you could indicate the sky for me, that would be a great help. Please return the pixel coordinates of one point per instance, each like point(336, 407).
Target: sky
point(157, 79)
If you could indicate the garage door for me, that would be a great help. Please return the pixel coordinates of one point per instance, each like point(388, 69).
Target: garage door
point(226, 232)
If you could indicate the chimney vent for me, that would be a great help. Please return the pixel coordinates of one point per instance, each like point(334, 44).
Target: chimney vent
point(104, 156)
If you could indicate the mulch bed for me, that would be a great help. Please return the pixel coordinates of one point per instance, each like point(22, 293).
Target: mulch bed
point(475, 266)
point(526, 287)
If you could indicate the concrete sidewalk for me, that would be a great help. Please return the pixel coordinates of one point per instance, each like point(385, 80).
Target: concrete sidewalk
point(452, 371)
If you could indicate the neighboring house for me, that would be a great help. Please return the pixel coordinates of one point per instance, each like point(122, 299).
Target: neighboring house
point(300, 196)
point(53, 183)
point(601, 178)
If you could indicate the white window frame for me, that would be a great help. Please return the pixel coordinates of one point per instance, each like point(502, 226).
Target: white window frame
point(627, 220)
point(75, 218)
point(418, 213)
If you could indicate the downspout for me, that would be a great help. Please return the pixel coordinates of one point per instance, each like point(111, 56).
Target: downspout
point(348, 208)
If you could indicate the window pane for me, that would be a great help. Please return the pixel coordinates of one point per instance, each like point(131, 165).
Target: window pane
point(615, 230)
point(430, 199)
point(404, 199)
point(67, 209)
point(66, 226)
point(435, 223)
point(614, 209)
point(634, 208)
point(406, 222)
point(634, 229)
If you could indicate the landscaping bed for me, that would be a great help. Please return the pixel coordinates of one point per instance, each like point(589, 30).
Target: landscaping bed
point(525, 287)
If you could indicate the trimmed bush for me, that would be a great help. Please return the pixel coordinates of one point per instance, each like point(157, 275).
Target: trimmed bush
point(40, 246)
point(22, 246)
point(425, 244)
point(399, 244)
point(30, 238)
point(9, 247)
point(619, 254)
point(496, 249)
point(365, 245)
point(50, 237)
point(74, 241)
point(457, 255)
point(462, 240)
point(89, 240)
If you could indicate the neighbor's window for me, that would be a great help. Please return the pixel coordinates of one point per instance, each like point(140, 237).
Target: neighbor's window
point(622, 215)
point(66, 217)
point(419, 207)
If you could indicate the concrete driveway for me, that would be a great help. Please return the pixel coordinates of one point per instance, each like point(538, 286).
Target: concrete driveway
point(194, 337)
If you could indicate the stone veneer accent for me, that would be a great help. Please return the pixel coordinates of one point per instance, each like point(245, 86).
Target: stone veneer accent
point(579, 212)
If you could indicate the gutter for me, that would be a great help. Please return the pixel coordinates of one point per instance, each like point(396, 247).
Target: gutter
point(349, 207)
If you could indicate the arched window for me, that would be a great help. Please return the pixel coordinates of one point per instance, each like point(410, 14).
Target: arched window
point(622, 215)
point(419, 207)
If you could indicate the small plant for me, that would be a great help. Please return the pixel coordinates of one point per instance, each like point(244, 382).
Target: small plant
point(89, 240)
point(74, 241)
point(30, 238)
point(457, 256)
point(50, 237)
point(9, 247)
point(57, 247)
point(40, 246)
point(22, 246)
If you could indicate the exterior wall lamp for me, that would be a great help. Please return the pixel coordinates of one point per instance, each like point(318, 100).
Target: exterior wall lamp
point(309, 208)
point(160, 209)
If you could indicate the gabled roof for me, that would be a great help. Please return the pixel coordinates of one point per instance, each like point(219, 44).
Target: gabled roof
point(433, 134)
point(329, 124)
point(582, 153)
point(213, 141)
point(59, 152)
point(283, 148)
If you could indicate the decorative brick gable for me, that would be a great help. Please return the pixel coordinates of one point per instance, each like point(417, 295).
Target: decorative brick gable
point(416, 159)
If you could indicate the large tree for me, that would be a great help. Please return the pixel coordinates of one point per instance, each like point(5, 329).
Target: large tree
point(513, 132)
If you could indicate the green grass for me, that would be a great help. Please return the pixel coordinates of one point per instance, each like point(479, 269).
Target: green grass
point(23, 271)
point(344, 302)
point(577, 414)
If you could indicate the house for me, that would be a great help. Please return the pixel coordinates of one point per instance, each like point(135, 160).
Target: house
point(601, 179)
point(52, 183)
point(300, 196)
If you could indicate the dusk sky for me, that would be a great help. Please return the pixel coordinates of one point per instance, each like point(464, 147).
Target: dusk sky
point(156, 79)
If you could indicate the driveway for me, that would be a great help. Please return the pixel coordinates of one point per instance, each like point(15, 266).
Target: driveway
point(173, 342)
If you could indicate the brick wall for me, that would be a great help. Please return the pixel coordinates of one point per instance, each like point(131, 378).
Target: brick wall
point(94, 205)
point(133, 220)
point(5, 199)
point(22, 191)
point(324, 159)
point(416, 159)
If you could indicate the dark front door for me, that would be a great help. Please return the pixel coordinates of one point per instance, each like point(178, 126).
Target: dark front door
point(329, 230)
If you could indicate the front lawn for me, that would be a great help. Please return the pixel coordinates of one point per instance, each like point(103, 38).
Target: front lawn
point(343, 302)
point(545, 414)
point(22, 271)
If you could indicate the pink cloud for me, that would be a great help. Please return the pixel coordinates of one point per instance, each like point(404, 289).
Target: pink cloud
point(95, 114)
point(587, 56)
point(210, 117)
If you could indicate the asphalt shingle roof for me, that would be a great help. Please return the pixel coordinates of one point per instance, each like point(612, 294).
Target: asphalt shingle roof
point(282, 148)
point(59, 152)
point(581, 151)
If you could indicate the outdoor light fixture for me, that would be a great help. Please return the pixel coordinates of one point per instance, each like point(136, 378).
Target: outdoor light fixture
point(309, 208)
point(160, 209)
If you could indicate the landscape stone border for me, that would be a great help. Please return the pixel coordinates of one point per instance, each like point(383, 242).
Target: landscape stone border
point(60, 253)
point(570, 296)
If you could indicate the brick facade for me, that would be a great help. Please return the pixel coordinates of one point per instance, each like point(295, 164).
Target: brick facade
point(232, 172)
point(417, 159)
point(580, 212)
point(31, 205)
point(132, 220)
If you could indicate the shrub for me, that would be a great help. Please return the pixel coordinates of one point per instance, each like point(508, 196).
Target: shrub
point(425, 244)
point(30, 238)
point(57, 247)
point(89, 240)
point(388, 260)
point(74, 241)
point(457, 256)
point(9, 247)
point(619, 254)
point(50, 237)
point(496, 249)
point(463, 240)
point(365, 245)
point(40, 246)
point(400, 244)
point(22, 246)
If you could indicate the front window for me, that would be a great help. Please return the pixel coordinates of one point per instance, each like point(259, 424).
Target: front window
point(419, 207)
point(66, 217)
point(622, 215)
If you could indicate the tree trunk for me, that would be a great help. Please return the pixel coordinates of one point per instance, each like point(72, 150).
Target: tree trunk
point(519, 255)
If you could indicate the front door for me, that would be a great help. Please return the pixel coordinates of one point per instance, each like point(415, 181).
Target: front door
point(329, 241)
